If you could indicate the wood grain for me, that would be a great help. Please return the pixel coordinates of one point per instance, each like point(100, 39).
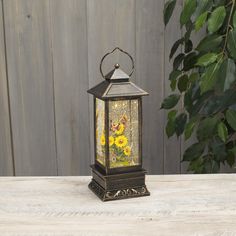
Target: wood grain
point(6, 159)
point(30, 74)
point(70, 60)
point(185, 205)
point(150, 76)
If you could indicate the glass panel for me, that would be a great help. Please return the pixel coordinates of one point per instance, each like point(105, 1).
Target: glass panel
point(100, 131)
point(123, 133)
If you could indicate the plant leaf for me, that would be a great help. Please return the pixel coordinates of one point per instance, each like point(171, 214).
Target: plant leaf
point(227, 75)
point(216, 19)
point(170, 126)
point(189, 128)
point(209, 43)
point(209, 77)
point(222, 131)
point(178, 60)
point(206, 128)
point(189, 8)
point(201, 21)
point(168, 10)
point(183, 83)
point(231, 44)
point(170, 101)
point(180, 122)
point(202, 6)
point(175, 47)
point(234, 19)
point(207, 59)
point(194, 151)
point(231, 118)
point(190, 61)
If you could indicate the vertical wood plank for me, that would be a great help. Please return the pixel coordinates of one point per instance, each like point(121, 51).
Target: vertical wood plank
point(71, 85)
point(6, 161)
point(172, 155)
point(30, 77)
point(150, 76)
point(110, 23)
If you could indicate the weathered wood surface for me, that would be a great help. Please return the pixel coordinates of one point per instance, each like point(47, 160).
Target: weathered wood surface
point(182, 205)
point(6, 159)
point(30, 75)
point(69, 45)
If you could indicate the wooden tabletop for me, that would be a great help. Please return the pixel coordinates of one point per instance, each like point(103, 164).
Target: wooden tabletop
point(64, 206)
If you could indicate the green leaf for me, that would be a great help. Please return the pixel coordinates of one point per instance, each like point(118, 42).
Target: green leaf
point(168, 10)
point(183, 83)
point(170, 101)
point(201, 21)
point(180, 122)
point(231, 118)
point(188, 46)
point(209, 77)
point(206, 128)
point(207, 59)
point(231, 44)
point(227, 75)
point(175, 47)
point(222, 131)
point(190, 61)
point(230, 159)
point(189, 8)
point(189, 128)
point(175, 74)
point(210, 42)
point(178, 60)
point(216, 19)
point(170, 127)
point(202, 6)
point(218, 148)
point(234, 19)
point(194, 151)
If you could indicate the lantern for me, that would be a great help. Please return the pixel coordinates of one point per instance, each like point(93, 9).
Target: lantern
point(117, 171)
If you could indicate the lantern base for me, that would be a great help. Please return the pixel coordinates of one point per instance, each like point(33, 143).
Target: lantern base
point(118, 186)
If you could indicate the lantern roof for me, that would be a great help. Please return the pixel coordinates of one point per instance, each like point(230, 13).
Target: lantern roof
point(117, 84)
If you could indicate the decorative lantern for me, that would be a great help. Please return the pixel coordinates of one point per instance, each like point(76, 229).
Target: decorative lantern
point(117, 172)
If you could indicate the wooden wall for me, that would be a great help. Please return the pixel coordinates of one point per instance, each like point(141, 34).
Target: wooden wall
point(49, 56)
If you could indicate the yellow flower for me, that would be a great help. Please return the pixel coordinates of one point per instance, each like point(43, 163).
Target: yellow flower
point(127, 150)
point(121, 141)
point(120, 129)
point(102, 140)
point(111, 141)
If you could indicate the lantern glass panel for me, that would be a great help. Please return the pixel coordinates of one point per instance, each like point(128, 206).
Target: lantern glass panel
point(100, 131)
point(124, 133)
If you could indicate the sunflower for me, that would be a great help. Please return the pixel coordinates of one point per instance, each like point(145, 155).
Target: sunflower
point(127, 150)
point(120, 129)
point(102, 140)
point(121, 141)
point(111, 140)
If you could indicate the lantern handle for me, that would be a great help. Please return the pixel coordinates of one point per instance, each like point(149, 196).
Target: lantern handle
point(117, 48)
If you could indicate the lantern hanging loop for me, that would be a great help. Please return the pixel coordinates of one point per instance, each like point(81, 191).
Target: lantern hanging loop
point(121, 50)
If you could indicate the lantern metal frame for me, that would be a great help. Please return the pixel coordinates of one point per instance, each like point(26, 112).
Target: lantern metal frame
point(117, 182)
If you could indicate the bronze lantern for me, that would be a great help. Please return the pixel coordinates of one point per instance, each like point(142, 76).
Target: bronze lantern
point(117, 171)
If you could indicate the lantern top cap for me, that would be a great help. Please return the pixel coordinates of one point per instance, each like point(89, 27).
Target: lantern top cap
point(117, 74)
point(117, 83)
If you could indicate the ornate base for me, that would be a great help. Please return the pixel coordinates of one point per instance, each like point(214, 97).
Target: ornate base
point(106, 195)
point(118, 186)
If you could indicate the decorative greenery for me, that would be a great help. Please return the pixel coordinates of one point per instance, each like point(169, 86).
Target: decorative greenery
point(203, 80)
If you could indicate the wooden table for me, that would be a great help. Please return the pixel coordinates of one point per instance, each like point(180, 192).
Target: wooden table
point(64, 206)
